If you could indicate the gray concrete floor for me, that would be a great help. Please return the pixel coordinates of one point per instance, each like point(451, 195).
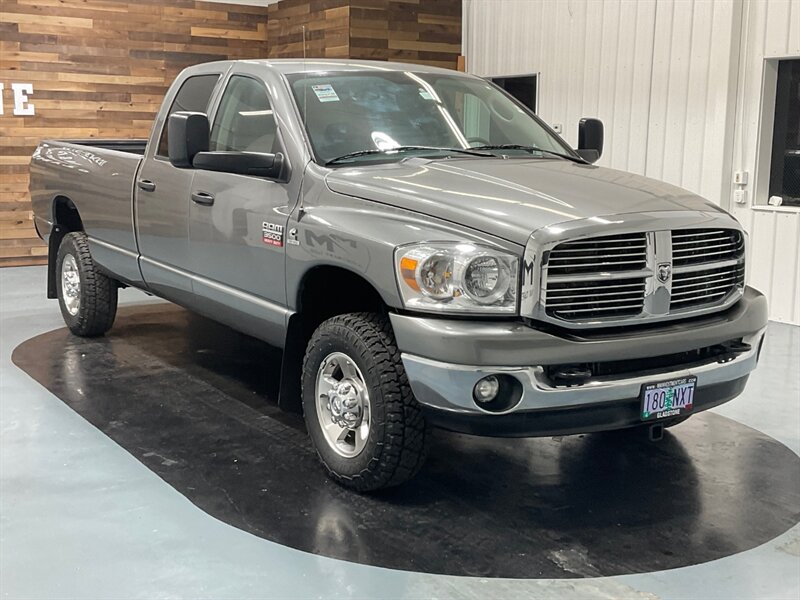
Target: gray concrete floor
point(82, 518)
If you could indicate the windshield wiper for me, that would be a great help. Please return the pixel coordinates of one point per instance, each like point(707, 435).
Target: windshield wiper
point(529, 149)
point(349, 155)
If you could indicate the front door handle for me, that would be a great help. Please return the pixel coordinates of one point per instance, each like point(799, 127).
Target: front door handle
point(203, 198)
point(146, 185)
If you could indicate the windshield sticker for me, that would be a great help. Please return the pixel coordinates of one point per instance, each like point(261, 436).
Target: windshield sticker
point(325, 92)
point(425, 94)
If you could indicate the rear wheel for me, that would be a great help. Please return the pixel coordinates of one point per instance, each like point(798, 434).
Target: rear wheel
point(87, 297)
point(366, 426)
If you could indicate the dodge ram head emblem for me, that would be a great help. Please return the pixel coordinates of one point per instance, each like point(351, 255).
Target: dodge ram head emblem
point(663, 272)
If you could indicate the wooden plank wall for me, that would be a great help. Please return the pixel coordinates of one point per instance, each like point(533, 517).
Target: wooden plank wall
point(327, 25)
point(417, 31)
point(99, 68)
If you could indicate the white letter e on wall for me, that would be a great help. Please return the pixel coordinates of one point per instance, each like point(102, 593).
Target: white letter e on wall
point(21, 91)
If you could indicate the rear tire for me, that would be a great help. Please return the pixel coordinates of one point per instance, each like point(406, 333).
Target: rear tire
point(366, 425)
point(87, 297)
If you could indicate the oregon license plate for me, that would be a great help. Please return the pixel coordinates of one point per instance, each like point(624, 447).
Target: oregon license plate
point(668, 399)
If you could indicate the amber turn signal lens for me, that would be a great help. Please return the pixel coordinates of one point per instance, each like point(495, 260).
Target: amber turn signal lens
point(408, 270)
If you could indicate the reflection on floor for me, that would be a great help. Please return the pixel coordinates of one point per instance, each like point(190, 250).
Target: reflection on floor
point(194, 401)
point(81, 517)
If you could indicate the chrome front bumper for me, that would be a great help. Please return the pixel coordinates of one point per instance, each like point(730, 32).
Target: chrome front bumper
point(444, 359)
point(448, 387)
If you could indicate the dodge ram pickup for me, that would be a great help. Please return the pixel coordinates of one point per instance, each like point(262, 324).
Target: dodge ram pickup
point(424, 249)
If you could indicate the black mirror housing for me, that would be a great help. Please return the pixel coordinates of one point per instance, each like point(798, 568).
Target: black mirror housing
point(256, 164)
point(590, 139)
point(187, 135)
point(589, 155)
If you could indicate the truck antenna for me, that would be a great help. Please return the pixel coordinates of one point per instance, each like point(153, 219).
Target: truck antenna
point(305, 83)
point(301, 210)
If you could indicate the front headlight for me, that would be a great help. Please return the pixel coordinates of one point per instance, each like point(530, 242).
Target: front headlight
point(450, 277)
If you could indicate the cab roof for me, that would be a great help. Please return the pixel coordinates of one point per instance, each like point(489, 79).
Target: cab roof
point(288, 66)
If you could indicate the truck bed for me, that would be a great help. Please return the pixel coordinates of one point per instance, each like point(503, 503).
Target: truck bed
point(97, 178)
point(132, 146)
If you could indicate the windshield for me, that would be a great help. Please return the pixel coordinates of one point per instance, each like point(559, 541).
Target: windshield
point(354, 112)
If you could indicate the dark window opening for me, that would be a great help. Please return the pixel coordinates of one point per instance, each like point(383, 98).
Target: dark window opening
point(523, 88)
point(784, 177)
point(194, 96)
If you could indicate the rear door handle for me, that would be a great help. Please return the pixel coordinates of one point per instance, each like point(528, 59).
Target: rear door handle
point(203, 198)
point(146, 185)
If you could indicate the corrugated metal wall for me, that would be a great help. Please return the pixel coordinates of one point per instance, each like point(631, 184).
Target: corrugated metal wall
point(594, 59)
point(665, 77)
point(771, 30)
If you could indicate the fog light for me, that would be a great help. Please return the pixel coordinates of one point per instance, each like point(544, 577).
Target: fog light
point(486, 389)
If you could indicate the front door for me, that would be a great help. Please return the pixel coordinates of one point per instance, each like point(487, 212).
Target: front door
point(237, 224)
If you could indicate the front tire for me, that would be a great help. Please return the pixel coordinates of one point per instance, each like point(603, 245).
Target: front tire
point(363, 420)
point(87, 297)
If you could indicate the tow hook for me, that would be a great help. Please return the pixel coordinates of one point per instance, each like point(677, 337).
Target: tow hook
point(737, 346)
point(570, 376)
point(656, 432)
point(732, 349)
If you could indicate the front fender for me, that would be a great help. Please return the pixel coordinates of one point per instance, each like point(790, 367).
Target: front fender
point(361, 236)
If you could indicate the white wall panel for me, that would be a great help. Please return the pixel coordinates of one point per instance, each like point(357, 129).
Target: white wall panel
point(693, 95)
point(593, 58)
point(678, 85)
point(770, 30)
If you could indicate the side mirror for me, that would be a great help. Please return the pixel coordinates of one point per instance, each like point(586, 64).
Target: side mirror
point(590, 139)
point(257, 164)
point(187, 135)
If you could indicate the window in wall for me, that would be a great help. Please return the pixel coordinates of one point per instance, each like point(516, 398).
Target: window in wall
point(194, 95)
point(523, 88)
point(784, 177)
point(244, 121)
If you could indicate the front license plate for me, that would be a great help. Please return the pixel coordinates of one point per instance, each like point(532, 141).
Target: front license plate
point(668, 399)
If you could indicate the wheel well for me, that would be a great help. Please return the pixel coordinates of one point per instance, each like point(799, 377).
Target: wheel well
point(66, 219)
point(329, 291)
point(65, 215)
point(323, 293)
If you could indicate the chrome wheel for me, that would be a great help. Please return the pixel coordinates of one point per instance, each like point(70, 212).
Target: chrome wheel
point(343, 405)
point(70, 285)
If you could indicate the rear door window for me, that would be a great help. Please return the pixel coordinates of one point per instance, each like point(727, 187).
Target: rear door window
point(194, 96)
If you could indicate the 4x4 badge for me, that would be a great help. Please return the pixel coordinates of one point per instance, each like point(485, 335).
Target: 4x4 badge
point(663, 272)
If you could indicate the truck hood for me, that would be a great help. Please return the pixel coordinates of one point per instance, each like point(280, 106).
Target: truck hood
point(511, 198)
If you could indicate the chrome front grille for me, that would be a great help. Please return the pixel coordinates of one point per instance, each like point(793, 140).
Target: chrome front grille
point(698, 246)
point(613, 298)
point(609, 253)
point(626, 278)
point(696, 288)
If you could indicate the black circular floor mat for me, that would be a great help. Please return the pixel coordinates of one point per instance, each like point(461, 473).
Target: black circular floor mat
point(193, 401)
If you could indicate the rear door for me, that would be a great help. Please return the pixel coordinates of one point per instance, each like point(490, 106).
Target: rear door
point(237, 230)
point(162, 199)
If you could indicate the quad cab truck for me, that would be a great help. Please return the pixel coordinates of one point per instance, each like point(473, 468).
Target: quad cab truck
point(426, 251)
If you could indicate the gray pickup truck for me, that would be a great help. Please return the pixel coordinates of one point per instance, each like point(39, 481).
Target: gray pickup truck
point(425, 250)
